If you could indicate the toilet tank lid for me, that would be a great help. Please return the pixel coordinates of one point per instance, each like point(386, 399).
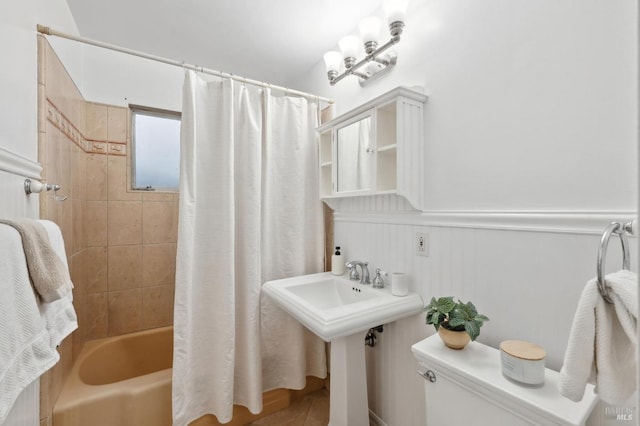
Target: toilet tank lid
point(478, 367)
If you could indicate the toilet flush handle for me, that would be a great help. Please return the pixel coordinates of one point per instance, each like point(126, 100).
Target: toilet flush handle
point(429, 375)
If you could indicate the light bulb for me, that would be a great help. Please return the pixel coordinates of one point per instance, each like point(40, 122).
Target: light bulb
point(349, 46)
point(332, 61)
point(370, 29)
point(395, 10)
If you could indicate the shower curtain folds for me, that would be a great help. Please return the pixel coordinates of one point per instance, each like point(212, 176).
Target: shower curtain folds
point(249, 212)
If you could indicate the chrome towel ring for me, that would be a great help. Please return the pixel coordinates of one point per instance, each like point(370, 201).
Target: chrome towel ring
point(622, 231)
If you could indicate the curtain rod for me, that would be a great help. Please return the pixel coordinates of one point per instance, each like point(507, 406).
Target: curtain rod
point(48, 31)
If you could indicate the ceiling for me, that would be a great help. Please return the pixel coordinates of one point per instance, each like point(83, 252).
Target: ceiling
point(268, 40)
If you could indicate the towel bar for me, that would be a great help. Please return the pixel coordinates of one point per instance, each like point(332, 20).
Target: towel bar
point(622, 231)
point(35, 187)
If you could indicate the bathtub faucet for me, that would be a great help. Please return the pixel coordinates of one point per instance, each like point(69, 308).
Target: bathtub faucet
point(353, 271)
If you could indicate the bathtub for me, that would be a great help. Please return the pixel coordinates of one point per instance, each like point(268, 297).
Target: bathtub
point(123, 380)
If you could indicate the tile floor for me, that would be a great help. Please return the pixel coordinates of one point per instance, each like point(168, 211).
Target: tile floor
point(309, 410)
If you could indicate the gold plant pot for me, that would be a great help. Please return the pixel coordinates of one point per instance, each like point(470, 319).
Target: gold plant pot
point(454, 339)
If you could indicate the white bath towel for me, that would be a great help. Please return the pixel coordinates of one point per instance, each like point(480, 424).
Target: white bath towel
point(603, 341)
point(29, 330)
point(25, 348)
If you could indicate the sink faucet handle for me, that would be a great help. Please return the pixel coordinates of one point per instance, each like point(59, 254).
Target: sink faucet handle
point(353, 271)
point(378, 281)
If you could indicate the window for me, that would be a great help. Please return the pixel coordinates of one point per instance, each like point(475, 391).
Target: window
point(156, 149)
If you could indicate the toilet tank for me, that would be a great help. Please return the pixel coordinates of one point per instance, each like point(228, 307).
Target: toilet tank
point(467, 387)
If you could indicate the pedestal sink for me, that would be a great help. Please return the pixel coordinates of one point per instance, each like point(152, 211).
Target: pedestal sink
point(340, 311)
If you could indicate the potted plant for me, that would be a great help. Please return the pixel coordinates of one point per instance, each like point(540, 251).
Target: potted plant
point(457, 323)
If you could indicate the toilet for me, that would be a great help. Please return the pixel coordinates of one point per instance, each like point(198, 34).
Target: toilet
point(466, 386)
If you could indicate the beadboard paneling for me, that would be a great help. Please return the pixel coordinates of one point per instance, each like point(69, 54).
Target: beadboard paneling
point(528, 283)
point(15, 203)
point(503, 272)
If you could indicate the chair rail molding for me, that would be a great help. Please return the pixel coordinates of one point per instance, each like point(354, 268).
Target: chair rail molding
point(19, 165)
point(564, 222)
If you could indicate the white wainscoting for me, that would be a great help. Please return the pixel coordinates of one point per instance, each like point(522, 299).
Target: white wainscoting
point(525, 270)
point(14, 203)
point(504, 272)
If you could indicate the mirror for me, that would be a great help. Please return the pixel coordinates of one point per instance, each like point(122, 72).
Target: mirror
point(355, 156)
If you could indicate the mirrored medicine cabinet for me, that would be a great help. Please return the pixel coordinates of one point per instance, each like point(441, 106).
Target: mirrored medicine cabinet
point(374, 149)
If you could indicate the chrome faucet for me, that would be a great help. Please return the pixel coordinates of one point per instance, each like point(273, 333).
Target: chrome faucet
point(353, 271)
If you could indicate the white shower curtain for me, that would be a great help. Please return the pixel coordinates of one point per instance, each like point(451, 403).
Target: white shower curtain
point(249, 212)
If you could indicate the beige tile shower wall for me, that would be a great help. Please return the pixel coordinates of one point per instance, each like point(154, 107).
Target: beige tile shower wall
point(130, 236)
point(120, 244)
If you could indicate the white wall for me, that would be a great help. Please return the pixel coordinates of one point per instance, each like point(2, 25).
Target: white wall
point(120, 79)
point(18, 75)
point(532, 105)
point(531, 139)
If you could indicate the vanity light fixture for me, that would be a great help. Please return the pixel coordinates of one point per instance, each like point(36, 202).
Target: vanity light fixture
point(377, 61)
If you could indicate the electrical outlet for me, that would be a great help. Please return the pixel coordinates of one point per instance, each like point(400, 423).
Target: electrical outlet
point(422, 244)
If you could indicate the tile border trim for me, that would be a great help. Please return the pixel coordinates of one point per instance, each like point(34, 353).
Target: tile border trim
point(60, 121)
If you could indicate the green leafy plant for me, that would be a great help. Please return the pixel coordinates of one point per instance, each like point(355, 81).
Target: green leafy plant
point(455, 316)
